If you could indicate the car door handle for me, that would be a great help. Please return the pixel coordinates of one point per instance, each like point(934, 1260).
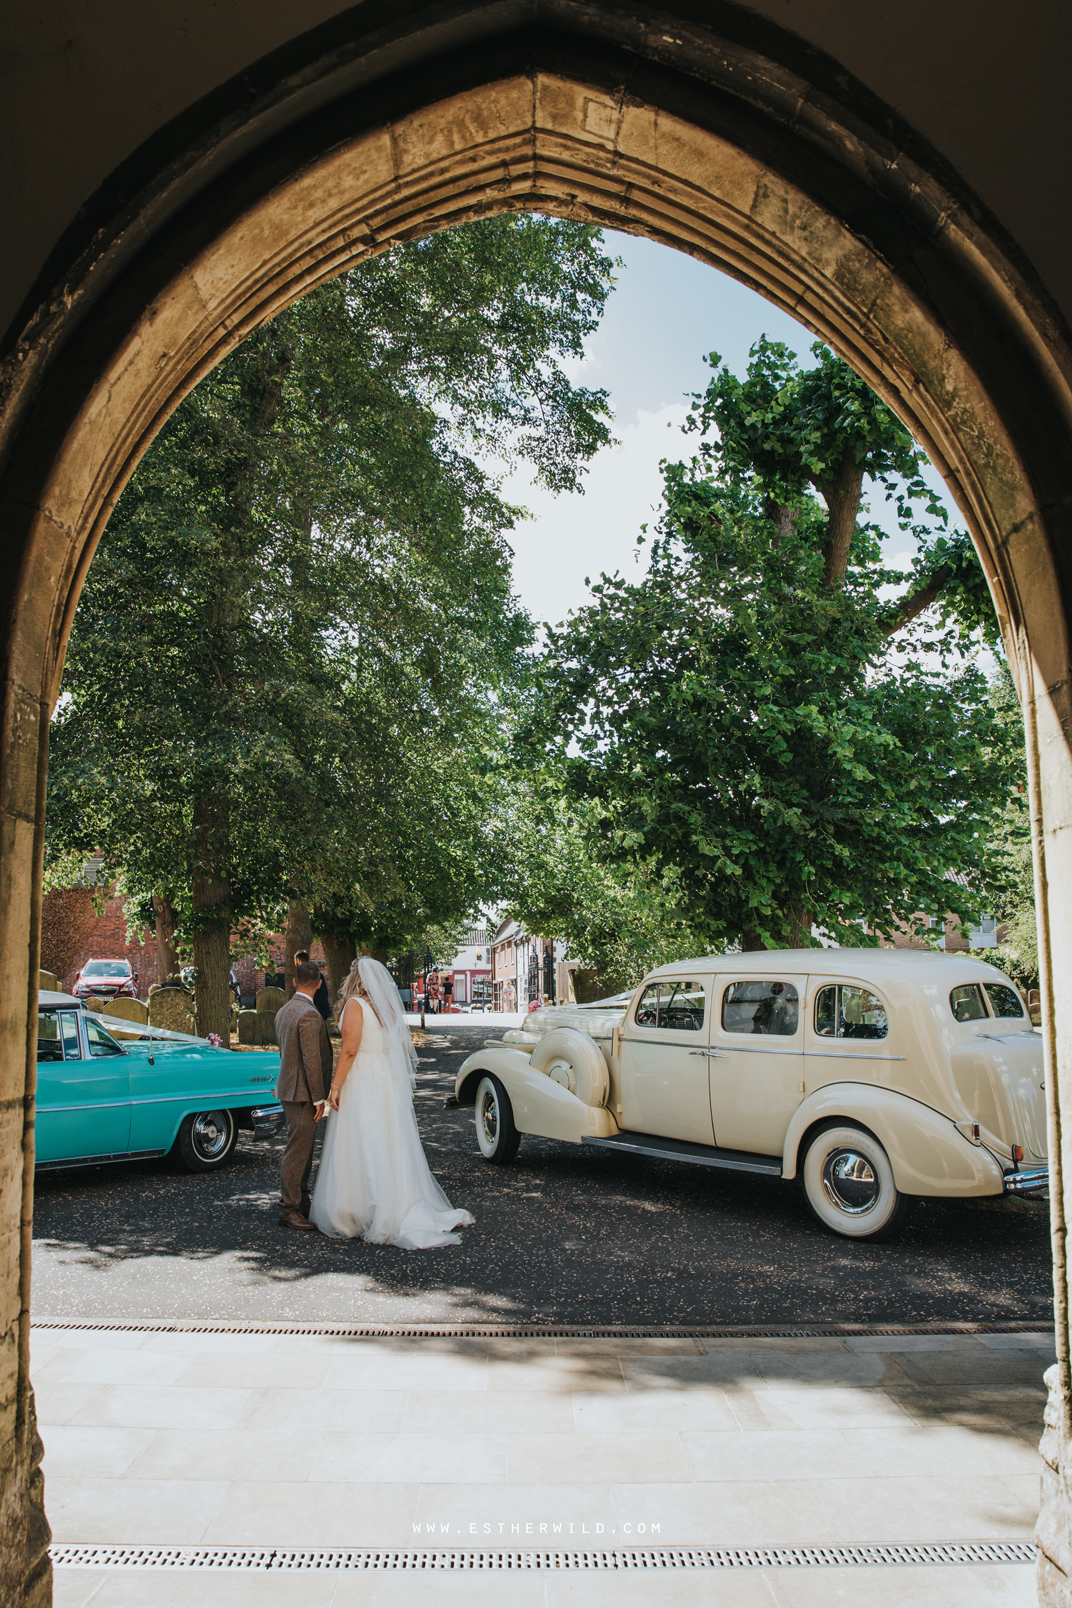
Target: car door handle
point(716, 1054)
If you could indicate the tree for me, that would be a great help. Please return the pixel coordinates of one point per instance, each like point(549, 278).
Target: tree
point(1012, 889)
point(772, 717)
point(302, 603)
point(617, 921)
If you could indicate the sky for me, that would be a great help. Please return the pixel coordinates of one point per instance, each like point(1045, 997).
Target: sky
point(665, 314)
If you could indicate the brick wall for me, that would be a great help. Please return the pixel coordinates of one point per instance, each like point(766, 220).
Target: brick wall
point(107, 941)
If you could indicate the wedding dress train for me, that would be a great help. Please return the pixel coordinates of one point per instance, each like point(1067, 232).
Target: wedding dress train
point(374, 1179)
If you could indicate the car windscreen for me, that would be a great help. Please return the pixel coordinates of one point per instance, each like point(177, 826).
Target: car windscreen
point(106, 968)
point(100, 1041)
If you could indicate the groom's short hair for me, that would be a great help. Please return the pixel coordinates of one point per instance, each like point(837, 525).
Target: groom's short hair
point(307, 973)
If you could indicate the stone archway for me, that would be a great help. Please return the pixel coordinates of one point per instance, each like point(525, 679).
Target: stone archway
point(872, 250)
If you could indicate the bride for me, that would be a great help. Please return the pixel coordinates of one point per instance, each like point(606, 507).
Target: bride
point(374, 1179)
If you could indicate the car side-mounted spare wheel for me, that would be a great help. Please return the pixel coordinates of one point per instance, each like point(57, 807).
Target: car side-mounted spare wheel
point(569, 1057)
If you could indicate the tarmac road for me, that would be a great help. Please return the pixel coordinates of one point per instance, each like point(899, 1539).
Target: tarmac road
point(566, 1235)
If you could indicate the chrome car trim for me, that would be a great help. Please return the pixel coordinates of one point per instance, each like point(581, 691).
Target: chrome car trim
point(853, 1055)
point(760, 1049)
point(99, 1161)
point(188, 1100)
point(1028, 1182)
point(94, 1105)
point(267, 1120)
point(687, 1034)
point(849, 1182)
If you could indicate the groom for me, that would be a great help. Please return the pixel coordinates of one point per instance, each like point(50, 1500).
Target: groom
point(305, 1062)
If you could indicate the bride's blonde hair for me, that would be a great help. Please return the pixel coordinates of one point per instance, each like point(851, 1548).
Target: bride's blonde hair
point(353, 985)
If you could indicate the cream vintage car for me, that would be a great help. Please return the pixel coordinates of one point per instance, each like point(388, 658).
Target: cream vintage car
point(872, 1076)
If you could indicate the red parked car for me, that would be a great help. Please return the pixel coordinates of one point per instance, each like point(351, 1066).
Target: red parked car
point(108, 979)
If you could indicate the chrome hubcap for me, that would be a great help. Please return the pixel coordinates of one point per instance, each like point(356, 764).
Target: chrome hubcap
point(210, 1134)
point(850, 1183)
point(489, 1119)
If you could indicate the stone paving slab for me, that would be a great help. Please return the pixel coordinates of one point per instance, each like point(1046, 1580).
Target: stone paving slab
point(319, 1441)
point(943, 1587)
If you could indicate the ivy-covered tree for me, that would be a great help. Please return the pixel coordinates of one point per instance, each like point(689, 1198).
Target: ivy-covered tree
point(289, 643)
point(791, 729)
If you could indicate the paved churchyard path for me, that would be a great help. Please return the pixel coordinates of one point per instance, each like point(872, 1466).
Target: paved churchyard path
point(566, 1235)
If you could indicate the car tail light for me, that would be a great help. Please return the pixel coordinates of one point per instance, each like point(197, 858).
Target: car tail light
point(1017, 1152)
point(975, 1132)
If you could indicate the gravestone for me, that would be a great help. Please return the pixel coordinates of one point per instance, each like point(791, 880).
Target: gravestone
point(172, 1008)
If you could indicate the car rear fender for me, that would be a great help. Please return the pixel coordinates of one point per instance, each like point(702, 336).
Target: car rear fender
point(539, 1105)
point(928, 1154)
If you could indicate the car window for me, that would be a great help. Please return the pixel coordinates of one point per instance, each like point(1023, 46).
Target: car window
point(100, 1042)
point(844, 1011)
point(72, 1049)
point(49, 1046)
point(967, 1003)
point(1004, 1001)
point(674, 1006)
point(761, 1007)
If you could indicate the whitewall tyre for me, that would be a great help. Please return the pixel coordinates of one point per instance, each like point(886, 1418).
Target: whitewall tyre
point(207, 1140)
point(496, 1134)
point(848, 1182)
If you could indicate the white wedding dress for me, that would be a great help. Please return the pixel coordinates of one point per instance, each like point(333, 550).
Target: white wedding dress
point(374, 1179)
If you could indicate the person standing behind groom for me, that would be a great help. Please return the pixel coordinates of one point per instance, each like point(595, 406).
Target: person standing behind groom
point(321, 999)
point(305, 1063)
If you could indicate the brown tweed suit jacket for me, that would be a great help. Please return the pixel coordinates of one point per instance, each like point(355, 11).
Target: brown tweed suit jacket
point(305, 1058)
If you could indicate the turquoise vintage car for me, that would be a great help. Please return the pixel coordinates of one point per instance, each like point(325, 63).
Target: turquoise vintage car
point(100, 1100)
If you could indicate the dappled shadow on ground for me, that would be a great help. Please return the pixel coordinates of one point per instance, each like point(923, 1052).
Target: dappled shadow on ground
point(568, 1235)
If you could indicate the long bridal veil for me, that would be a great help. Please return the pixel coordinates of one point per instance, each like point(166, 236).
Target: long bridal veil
point(374, 1179)
point(380, 987)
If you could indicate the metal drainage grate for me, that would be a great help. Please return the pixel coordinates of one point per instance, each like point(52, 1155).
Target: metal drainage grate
point(269, 1558)
point(491, 1331)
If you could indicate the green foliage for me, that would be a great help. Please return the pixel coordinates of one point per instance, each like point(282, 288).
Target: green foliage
point(786, 429)
point(617, 921)
point(287, 655)
point(758, 719)
point(1013, 879)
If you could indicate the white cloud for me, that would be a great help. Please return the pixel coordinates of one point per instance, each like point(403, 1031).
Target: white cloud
point(571, 537)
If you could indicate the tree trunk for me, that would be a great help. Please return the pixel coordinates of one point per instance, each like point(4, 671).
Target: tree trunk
point(842, 497)
point(211, 893)
point(167, 959)
point(299, 936)
point(800, 924)
point(341, 954)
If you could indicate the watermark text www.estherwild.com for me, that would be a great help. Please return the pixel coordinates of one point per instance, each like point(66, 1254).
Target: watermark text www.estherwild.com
point(507, 1527)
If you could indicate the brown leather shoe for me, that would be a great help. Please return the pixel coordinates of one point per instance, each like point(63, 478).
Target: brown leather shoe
point(294, 1219)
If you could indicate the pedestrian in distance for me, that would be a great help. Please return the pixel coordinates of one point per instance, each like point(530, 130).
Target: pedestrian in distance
point(305, 1062)
point(321, 999)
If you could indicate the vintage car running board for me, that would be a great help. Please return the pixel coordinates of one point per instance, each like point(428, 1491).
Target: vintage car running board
point(650, 1144)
